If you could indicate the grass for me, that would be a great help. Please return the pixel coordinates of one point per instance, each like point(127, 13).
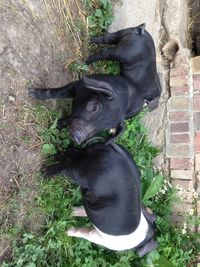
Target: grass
point(42, 241)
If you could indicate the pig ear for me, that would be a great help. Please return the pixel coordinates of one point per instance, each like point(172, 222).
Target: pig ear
point(99, 86)
point(141, 29)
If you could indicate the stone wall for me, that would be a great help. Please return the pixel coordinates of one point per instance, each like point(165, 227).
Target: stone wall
point(183, 130)
point(196, 105)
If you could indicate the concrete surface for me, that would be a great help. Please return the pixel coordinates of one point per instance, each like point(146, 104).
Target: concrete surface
point(164, 23)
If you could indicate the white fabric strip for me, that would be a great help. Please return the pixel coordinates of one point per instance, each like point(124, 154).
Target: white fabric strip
point(123, 242)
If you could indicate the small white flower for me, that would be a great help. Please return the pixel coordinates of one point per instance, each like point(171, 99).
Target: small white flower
point(170, 185)
point(178, 186)
point(191, 212)
point(195, 195)
point(162, 191)
point(191, 189)
point(184, 231)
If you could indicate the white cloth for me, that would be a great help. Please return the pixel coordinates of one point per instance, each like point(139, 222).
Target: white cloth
point(124, 242)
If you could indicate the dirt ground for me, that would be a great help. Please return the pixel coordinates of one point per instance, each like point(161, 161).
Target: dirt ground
point(33, 51)
point(38, 40)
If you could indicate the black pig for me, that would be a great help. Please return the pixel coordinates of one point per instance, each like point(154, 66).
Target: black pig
point(134, 49)
point(110, 187)
point(103, 101)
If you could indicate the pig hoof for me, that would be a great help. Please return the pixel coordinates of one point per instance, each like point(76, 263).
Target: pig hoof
point(48, 172)
point(45, 174)
point(92, 40)
point(31, 92)
point(79, 212)
point(147, 248)
point(88, 61)
point(153, 104)
point(60, 125)
point(113, 131)
point(95, 40)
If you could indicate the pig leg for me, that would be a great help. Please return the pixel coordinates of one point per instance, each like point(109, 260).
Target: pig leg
point(108, 38)
point(148, 214)
point(153, 104)
point(52, 93)
point(55, 169)
point(111, 38)
point(62, 123)
point(147, 248)
point(79, 212)
point(105, 53)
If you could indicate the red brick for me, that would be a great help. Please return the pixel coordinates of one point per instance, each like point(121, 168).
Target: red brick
point(179, 138)
point(196, 81)
point(179, 103)
point(196, 102)
point(180, 59)
point(197, 142)
point(197, 121)
point(197, 163)
point(195, 64)
point(186, 184)
point(182, 174)
point(179, 116)
point(179, 71)
point(186, 197)
point(179, 81)
point(180, 207)
point(179, 90)
point(179, 127)
point(180, 164)
point(179, 150)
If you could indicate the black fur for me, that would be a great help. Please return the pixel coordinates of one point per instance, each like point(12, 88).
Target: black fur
point(110, 186)
point(102, 102)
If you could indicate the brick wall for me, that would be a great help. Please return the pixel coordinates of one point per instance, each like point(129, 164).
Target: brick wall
point(196, 106)
point(183, 130)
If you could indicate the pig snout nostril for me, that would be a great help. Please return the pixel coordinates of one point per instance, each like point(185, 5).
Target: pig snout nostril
point(77, 135)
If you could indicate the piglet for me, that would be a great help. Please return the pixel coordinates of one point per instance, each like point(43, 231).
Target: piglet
point(110, 187)
point(103, 101)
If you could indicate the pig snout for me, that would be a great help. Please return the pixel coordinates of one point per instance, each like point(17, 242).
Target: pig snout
point(77, 131)
point(77, 135)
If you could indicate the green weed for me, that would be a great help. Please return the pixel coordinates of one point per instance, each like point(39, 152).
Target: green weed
point(106, 67)
point(135, 140)
point(100, 17)
point(53, 140)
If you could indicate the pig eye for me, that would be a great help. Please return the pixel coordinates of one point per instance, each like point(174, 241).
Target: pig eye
point(93, 107)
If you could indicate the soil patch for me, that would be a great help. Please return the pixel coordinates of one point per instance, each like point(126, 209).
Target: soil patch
point(38, 41)
point(33, 51)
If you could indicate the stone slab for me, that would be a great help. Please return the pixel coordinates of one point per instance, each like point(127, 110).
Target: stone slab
point(195, 64)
